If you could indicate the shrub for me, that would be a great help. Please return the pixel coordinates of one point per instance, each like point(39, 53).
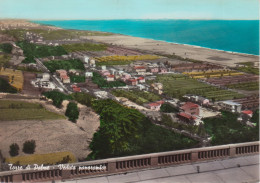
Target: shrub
point(29, 146)
point(72, 112)
point(57, 97)
point(6, 47)
point(14, 149)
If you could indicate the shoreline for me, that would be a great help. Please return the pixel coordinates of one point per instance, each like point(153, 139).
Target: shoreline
point(196, 46)
point(215, 56)
point(225, 58)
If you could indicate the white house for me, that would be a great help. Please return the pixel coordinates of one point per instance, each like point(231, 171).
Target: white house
point(231, 106)
point(86, 59)
point(88, 74)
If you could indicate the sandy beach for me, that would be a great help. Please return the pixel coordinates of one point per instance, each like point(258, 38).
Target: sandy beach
point(185, 51)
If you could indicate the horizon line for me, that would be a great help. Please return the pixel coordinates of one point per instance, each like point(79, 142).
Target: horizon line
point(61, 19)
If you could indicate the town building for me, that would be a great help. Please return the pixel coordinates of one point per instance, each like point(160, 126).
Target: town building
point(231, 106)
point(190, 108)
point(157, 88)
point(75, 88)
point(110, 78)
point(141, 70)
point(186, 117)
point(141, 80)
point(88, 74)
point(132, 81)
point(65, 78)
point(155, 106)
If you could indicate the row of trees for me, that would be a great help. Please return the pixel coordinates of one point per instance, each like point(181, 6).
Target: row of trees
point(28, 148)
point(64, 64)
point(32, 51)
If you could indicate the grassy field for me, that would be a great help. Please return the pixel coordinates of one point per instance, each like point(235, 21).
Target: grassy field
point(84, 47)
point(50, 158)
point(64, 64)
point(138, 97)
point(16, 110)
point(176, 85)
point(15, 77)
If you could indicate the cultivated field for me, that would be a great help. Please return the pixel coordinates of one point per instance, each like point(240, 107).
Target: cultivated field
point(138, 97)
point(52, 135)
point(15, 77)
point(177, 85)
point(17, 110)
point(212, 74)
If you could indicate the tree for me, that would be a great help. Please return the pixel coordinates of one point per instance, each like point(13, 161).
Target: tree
point(255, 117)
point(72, 112)
point(29, 146)
point(14, 149)
point(168, 108)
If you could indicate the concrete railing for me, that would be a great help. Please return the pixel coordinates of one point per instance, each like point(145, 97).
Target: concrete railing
point(131, 163)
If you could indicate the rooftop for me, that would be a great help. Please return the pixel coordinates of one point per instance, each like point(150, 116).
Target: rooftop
point(189, 105)
point(231, 103)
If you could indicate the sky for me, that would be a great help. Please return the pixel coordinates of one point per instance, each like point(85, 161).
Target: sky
point(129, 9)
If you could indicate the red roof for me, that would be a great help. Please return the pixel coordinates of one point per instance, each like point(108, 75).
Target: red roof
point(110, 76)
point(141, 78)
point(186, 115)
point(140, 67)
point(64, 77)
point(154, 104)
point(189, 105)
point(247, 112)
point(132, 80)
point(76, 89)
point(160, 102)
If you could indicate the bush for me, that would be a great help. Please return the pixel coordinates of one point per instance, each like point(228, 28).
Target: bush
point(29, 146)
point(83, 98)
point(6, 87)
point(168, 108)
point(72, 112)
point(6, 47)
point(14, 149)
point(57, 97)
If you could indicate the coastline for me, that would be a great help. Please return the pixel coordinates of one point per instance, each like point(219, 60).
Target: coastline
point(222, 57)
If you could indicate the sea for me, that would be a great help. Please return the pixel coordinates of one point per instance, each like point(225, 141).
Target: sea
point(240, 36)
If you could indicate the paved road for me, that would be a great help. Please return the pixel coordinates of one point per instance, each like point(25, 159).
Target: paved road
point(235, 170)
point(54, 79)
